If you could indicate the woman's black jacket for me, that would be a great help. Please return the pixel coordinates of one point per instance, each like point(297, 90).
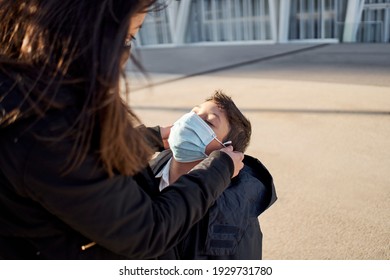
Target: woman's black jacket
point(47, 215)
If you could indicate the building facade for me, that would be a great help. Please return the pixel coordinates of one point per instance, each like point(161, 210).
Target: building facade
point(206, 22)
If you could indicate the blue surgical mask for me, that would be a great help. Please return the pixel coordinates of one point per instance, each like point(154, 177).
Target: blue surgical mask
point(189, 137)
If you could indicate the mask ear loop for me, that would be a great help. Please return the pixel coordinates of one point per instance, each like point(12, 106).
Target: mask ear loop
point(225, 144)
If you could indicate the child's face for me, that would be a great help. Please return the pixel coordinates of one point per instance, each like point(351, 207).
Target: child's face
point(216, 119)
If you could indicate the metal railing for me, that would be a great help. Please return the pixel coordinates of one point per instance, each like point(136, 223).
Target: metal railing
point(267, 21)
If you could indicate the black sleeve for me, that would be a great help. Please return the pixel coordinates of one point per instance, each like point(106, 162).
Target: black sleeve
point(116, 212)
point(153, 137)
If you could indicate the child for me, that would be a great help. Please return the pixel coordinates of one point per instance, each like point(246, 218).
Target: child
point(231, 229)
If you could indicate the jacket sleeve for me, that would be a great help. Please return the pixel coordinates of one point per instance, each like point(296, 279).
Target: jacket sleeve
point(116, 212)
point(153, 137)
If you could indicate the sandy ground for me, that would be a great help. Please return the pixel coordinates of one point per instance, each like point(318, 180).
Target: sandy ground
point(321, 124)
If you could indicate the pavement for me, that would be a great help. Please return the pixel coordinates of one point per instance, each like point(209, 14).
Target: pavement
point(320, 116)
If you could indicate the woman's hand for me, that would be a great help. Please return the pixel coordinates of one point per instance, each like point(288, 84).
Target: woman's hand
point(165, 131)
point(237, 158)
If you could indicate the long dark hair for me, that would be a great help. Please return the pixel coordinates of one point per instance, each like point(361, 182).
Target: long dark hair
point(48, 44)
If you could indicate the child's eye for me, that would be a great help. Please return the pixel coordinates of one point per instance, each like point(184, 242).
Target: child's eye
point(209, 123)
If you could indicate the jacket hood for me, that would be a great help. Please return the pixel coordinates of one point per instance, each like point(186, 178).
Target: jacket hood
point(255, 168)
point(255, 176)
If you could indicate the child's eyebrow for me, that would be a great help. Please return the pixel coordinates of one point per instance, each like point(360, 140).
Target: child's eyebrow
point(215, 114)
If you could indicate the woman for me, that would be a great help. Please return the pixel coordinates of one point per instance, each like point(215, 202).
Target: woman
point(74, 178)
